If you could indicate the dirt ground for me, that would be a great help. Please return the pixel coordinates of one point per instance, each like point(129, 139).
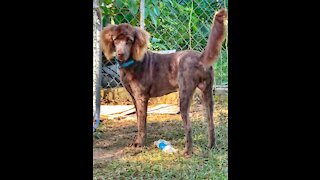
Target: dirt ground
point(112, 138)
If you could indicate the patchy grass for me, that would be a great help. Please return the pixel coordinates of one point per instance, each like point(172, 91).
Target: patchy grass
point(113, 159)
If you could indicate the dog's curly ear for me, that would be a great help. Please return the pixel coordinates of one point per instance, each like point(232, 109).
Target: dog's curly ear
point(140, 45)
point(106, 41)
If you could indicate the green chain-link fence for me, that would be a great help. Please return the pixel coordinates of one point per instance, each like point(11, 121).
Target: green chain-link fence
point(173, 25)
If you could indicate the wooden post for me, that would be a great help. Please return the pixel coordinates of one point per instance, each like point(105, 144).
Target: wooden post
point(97, 59)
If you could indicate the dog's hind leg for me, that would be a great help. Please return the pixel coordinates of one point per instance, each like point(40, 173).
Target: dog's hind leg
point(207, 97)
point(185, 93)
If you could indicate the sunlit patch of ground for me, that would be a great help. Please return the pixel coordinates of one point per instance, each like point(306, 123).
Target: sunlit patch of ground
point(114, 159)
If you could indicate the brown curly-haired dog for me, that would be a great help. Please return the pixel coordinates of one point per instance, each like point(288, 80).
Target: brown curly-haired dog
point(147, 74)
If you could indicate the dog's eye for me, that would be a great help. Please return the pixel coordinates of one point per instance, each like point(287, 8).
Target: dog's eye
point(129, 41)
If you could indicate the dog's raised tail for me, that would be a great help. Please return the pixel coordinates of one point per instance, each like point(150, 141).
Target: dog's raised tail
point(216, 37)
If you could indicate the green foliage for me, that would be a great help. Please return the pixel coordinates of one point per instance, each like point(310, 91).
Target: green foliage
point(168, 23)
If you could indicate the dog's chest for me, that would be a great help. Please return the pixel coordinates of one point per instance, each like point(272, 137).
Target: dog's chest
point(134, 81)
point(128, 76)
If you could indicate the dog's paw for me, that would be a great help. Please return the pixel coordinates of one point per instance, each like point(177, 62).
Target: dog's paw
point(187, 153)
point(212, 145)
point(135, 144)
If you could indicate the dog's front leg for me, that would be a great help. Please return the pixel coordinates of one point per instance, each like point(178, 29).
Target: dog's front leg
point(141, 110)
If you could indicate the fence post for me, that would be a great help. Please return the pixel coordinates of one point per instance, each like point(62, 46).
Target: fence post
point(97, 59)
point(142, 4)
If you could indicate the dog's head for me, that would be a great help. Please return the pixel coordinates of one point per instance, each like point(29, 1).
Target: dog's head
point(125, 41)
